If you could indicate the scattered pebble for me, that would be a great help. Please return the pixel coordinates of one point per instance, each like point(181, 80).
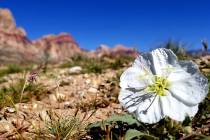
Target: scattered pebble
point(10, 110)
point(75, 70)
point(92, 90)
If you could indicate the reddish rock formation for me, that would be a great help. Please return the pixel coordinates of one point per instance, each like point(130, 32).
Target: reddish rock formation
point(116, 51)
point(102, 50)
point(59, 47)
point(120, 50)
point(7, 23)
point(15, 47)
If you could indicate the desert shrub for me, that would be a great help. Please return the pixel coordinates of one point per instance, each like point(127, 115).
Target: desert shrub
point(178, 48)
point(60, 127)
point(14, 68)
point(2, 80)
point(120, 62)
point(94, 68)
point(15, 93)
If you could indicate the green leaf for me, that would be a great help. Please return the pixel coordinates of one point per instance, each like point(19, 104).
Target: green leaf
point(187, 121)
point(100, 124)
point(205, 138)
point(125, 118)
point(96, 124)
point(132, 133)
point(202, 137)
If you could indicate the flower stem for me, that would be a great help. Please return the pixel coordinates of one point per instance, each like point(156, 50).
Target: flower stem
point(145, 111)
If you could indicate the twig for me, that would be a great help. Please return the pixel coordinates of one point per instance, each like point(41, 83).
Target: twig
point(22, 91)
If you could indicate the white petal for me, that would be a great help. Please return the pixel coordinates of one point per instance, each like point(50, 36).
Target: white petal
point(131, 101)
point(142, 62)
point(192, 111)
point(178, 74)
point(134, 77)
point(175, 109)
point(191, 89)
point(189, 67)
point(162, 59)
point(153, 114)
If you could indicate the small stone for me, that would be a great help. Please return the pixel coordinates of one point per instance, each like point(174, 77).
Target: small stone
point(75, 70)
point(35, 106)
point(62, 72)
point(64, 82)
point(96, 83)
point(86, 75)
point(88, 81)
point(207, 70)
point(92, 90)
point(5, 126)
point(10, 110)
point(67, 105)
point(52, 98)
point(81, 94)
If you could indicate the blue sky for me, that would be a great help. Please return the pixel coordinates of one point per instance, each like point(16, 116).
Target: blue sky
point(142, 24)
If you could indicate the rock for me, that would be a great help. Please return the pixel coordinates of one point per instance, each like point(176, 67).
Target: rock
point(15, 47)
point(95, 83)
point(35, 106)
point(103, 50)
point(92, 90)
point(10, 110)
point(121, 50)
point(86, 75)
point(75, 70)
point(88, 81)
point(67, 104)
point(5, 126)
point(116, 51)
point(57, 47)
point(65, 82)
point(81, 94)
point(206, 70)
point(7, 23)
point(52, 98)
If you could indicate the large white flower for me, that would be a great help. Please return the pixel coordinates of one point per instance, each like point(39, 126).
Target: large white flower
point(158, 85)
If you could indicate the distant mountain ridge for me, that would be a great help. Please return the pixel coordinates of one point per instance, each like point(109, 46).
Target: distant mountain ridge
point(15, 47)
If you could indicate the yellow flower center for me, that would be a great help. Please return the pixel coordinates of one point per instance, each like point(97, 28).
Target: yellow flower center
point(159, 86)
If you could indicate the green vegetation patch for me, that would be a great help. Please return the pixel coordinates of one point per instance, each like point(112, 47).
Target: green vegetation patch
point(21, 91)
point(13, 68)
point(60, 127)
point(94, 65)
